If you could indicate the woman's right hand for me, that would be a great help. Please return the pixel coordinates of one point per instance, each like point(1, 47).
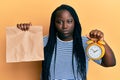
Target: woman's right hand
point(24, 26)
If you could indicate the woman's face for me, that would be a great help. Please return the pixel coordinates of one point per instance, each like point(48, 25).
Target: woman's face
point(64, 23)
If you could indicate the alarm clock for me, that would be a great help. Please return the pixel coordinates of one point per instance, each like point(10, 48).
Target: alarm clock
point(95, 50)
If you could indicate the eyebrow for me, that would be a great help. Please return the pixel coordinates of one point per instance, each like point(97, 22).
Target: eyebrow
point(68, 18)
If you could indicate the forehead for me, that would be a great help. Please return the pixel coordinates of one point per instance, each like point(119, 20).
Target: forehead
point(62, 13)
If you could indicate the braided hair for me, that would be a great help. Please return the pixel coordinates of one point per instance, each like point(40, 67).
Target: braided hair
point(78, 50)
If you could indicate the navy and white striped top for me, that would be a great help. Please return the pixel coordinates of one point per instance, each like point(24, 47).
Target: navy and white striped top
point(63, 66)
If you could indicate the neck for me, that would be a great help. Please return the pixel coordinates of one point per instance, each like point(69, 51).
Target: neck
point(68, 38)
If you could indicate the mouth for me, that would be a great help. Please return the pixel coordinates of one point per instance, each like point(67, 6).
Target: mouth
point(65, 31)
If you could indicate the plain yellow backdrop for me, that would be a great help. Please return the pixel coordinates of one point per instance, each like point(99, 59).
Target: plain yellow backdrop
point(93, 14)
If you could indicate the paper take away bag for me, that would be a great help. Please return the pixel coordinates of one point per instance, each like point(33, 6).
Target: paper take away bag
point(22, 46)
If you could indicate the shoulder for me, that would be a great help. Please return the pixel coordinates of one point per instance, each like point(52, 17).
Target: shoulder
point(84, 40)
point(45, 40)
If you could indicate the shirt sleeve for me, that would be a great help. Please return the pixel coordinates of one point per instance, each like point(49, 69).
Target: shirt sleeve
point(45, 40)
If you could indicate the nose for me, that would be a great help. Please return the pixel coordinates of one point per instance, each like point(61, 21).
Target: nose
point(64, 25)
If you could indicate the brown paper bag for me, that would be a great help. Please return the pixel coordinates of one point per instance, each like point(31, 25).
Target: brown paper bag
point(22, 46)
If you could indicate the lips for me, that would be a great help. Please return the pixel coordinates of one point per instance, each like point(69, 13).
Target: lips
point(65, 31)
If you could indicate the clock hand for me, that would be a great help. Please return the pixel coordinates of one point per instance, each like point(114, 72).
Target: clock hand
point(95, 51)
point(92, 50)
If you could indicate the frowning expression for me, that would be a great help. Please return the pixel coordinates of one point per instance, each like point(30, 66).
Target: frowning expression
point(64, 24)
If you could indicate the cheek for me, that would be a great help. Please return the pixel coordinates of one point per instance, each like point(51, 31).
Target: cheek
point(72, 28)
point(58, 27)
point(72, 25)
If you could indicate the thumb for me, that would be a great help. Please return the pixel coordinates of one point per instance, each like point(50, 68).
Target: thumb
point(88, 36)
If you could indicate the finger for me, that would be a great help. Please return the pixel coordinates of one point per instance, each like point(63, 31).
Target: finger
point(93, 33)
point(18, 26)
point(21, 26)
point(100, 35)
point(24, 27)
point(93, 39)
point(88, 36)
point(28, 26)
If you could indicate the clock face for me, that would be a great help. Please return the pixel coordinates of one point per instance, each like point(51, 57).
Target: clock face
point(94, 51)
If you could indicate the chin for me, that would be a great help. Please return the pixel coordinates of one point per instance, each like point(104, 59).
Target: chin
point(66, 35)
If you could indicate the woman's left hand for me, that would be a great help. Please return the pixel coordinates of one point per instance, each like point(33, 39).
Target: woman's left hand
point(108, 59)
point(96, 35)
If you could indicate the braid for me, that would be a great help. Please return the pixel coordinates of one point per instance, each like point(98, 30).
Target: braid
point(78, 50)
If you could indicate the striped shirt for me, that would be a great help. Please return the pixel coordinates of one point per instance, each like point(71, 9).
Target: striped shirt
point(62, 70)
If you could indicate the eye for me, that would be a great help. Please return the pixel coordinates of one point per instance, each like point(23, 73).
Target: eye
point(69, 21)
point(59, 22)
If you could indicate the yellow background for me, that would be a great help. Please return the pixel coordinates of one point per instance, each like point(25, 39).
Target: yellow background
point(93, 14)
